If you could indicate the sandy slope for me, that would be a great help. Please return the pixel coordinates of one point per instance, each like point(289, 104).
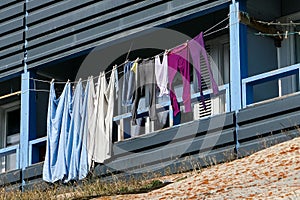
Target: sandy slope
point(273, 173)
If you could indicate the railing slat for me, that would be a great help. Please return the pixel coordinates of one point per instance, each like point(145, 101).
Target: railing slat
point(9, 150)
point(206, 93)
point(267, 76)
point(33, 142)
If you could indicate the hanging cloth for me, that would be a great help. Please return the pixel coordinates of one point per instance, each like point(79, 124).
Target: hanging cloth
point(178, 60)
point(91, 121)
point(77, 149)
point(196, 48)
point(128, 84)
point(111, 95)
point(83, 164)
point(72, 154)
point(161, 74)
point(101, 105)
point(145, 86)
point(58, 123)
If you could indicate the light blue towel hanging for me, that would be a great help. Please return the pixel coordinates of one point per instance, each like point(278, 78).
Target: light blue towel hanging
point(74, 139)
point(83, 166)
point(77, 149)
point(58, 123)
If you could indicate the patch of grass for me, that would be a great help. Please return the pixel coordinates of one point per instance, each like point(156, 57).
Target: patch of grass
point(86, 190)
point(96, 187)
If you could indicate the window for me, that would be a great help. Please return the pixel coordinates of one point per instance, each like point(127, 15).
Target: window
point(10, 133)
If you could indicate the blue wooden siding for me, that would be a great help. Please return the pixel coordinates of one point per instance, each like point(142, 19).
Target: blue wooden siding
point(11, 37)
point(50, 30)
point(62, 28)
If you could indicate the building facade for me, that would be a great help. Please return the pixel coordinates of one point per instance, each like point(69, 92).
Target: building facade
point(255, 62)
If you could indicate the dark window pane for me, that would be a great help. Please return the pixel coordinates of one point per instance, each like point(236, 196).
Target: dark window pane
point(13, 122)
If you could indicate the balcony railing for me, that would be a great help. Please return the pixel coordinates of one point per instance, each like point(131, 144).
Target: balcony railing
point(223, 90)
point(248, 83)
point(11, 150)
point(33, 143)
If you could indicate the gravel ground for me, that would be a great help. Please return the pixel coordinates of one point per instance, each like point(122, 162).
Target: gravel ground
point(273, 173)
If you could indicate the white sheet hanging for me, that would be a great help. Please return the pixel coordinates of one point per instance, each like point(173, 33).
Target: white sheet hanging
point(101, 106)
point(111, 95)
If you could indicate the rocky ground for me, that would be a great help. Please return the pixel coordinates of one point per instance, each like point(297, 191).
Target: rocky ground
point(273, 173)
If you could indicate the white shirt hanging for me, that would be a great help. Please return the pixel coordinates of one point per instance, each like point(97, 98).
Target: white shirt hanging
point(161, 74)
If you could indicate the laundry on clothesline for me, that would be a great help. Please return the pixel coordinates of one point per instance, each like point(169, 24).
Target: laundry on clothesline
point(80, 125)
point(79, 128)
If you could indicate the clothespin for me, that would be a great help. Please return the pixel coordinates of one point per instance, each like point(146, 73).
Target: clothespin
point(186, 43)
point(286, 35)
point(299, 33)
point(279, 35)
point(52, 80)
point(137, 59)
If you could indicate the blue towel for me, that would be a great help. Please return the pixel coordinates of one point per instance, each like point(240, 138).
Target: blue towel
point(58, 124)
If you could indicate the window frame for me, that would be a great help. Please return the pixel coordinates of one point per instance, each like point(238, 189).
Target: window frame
point(4, 109)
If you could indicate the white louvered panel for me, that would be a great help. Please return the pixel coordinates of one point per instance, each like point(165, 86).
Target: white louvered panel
point(199, 111)
point(205, 79)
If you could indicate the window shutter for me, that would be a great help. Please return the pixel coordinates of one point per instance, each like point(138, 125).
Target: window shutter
point(199, 111)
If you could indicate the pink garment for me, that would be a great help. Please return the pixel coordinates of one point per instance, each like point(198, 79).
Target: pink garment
point(178, 61)
point(196, 47)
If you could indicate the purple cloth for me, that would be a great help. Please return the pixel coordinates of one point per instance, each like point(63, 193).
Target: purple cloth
point(196, 47)
point(178, 61)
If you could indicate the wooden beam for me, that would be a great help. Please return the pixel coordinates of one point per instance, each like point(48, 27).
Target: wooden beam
point(9, 95)
point(244, 18)
point(263, 28)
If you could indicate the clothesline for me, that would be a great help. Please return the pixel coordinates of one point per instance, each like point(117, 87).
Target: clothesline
point(291, 23)
point(35, 90)
point(285, 34)
point(206, 33)
point(215, 25)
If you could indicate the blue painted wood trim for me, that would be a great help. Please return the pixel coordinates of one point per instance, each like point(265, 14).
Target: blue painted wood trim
point(244, 51)
point(238, 54)
point(235, 58)
point(248, 83)
point(11, 76)
point(238, 59)
point(24, 132)
point(28, 120)
point(212, 9)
